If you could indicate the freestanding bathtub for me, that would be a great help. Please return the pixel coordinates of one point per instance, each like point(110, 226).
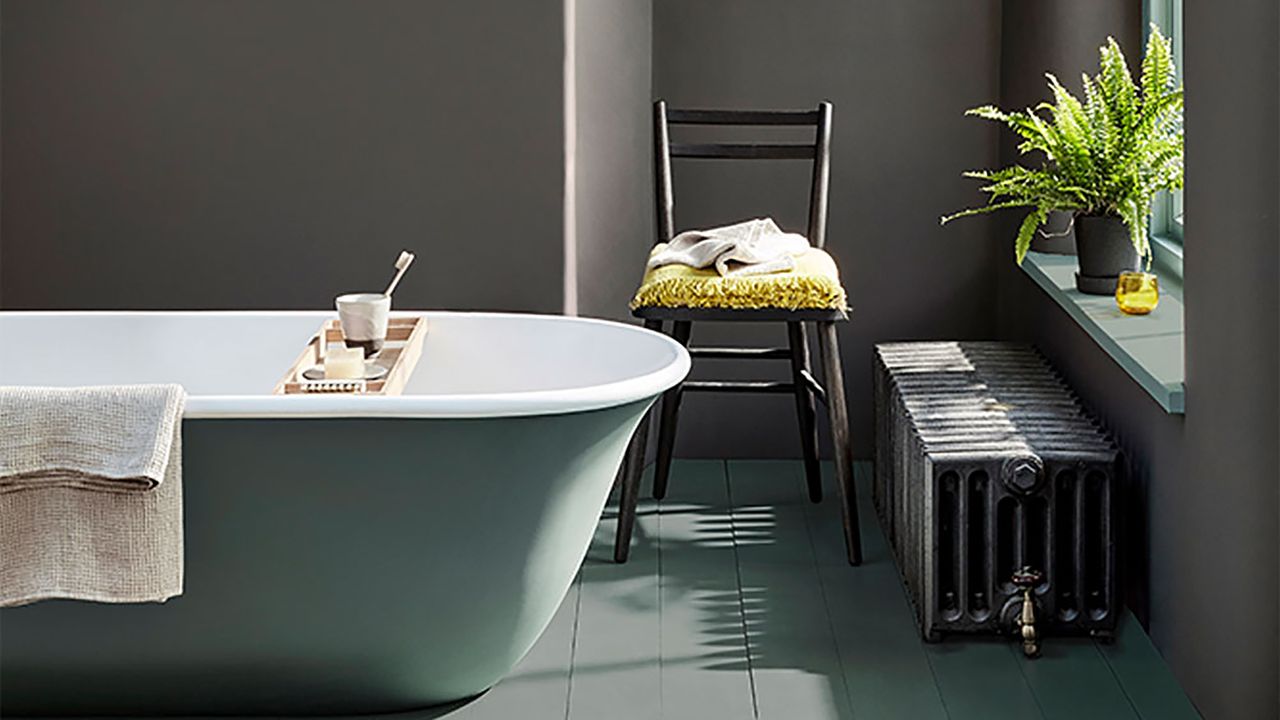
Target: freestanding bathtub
point(344, 555)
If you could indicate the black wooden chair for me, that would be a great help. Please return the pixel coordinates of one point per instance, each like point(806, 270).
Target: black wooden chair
point(803, 384)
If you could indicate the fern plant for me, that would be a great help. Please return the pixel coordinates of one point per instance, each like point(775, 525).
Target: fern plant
point(1108, 155)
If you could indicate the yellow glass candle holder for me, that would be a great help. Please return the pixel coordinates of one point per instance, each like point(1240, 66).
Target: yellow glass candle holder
point(1137, 293)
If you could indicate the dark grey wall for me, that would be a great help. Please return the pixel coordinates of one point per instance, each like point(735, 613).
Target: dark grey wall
point(1061, 37)
point(247, 154)
point(1202, 509)
point(1233, 359)
point(898, 73)
point(613, 199)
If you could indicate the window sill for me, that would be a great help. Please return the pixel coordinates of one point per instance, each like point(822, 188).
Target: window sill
point(1149, 348)
point(1168, 261)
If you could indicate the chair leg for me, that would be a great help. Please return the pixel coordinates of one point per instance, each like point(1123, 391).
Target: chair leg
point(632, 470)
point(805, 409)
point(667, 420)
point(838, 412)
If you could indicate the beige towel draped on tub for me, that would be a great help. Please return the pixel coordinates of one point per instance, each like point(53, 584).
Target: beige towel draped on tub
point(91, 493)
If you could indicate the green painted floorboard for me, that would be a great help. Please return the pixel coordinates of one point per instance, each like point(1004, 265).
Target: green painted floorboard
point(885, 665)
point(1143, 675)
point(617, 650)
point(795, 661)
point(738, 603)
point(1071, 680)
point(704, 661)
point(980, 680)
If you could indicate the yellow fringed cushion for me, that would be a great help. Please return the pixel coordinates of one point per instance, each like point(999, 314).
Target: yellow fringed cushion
point(814, 284)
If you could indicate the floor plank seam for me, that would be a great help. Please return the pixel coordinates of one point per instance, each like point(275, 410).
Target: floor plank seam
point(897, 581)
point(826, 604)
point(573, 646)
point(1022, 670)
point(742, 603)
point(937, 684)
point(662, 601)
point(1111, 669)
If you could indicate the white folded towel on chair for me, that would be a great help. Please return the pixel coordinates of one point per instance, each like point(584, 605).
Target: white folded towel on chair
point(753, 247)
point(91, 493)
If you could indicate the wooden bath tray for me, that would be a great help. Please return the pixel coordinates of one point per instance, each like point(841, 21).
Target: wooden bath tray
point(399, 355)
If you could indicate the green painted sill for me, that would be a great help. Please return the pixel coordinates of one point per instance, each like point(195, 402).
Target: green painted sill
point(1149, 348)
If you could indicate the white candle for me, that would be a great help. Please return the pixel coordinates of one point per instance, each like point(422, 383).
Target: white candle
point(343, 363)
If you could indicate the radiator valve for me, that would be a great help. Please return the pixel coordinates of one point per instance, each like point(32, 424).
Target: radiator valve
point(1027, 579)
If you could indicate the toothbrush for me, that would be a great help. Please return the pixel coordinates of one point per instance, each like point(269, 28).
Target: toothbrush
point(402, 264)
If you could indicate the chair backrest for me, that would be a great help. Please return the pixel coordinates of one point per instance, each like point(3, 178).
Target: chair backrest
point(818, 152)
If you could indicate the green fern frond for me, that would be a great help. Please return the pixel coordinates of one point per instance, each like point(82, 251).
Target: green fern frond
point(988, 112)
point(1117, 83)
point(1027, 230)
point(1110, 150)
point(982, 210)
point(1158, 75)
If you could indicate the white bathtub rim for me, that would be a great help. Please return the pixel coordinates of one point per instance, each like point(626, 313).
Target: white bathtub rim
point(453, 405)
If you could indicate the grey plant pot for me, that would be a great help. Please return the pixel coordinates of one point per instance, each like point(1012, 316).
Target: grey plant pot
point(1056, 236)
point(1104, 251)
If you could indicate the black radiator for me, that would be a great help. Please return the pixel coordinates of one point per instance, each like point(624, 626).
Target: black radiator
point(993, 485)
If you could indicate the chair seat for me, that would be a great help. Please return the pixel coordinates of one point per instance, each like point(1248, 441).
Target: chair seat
point(813, 285)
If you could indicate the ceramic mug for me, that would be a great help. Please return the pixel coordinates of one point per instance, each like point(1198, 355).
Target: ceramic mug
point(364, 320)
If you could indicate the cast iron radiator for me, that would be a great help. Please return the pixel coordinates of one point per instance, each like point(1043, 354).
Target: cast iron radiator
point(994, 485)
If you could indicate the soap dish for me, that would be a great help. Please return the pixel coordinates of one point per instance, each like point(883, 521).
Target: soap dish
point(372, 371)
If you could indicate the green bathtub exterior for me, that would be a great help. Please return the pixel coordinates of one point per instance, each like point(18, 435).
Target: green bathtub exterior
point(337, 566)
